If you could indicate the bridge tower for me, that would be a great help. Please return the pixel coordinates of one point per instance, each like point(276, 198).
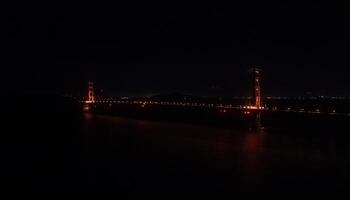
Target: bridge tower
point(256, 93)
point(91, 95)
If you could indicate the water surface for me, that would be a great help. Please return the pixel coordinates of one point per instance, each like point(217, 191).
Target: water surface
point(139, 158)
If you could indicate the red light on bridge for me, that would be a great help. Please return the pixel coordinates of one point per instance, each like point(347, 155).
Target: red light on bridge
point(246, 112)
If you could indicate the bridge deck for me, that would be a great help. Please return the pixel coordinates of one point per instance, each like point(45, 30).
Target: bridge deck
point(221, 107)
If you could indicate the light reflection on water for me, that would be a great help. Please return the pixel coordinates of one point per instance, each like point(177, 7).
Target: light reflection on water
point(251, 159)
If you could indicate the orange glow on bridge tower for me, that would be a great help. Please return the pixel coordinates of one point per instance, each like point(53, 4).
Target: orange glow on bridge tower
point(256, 99)
point(91, 95)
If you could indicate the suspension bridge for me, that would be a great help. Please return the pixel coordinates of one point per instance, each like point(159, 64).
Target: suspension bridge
point(253, 104)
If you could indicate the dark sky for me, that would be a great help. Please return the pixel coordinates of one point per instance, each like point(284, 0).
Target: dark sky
point(197, 48)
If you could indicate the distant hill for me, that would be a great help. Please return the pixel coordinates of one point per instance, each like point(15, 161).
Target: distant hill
point(176, 97)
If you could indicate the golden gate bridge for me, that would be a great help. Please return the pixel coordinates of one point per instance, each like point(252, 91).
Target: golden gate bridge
point(254, 103)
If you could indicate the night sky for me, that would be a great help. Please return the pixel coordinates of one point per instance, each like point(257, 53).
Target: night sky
point(194, 48)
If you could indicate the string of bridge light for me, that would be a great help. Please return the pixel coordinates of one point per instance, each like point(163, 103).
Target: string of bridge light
point(212, 105)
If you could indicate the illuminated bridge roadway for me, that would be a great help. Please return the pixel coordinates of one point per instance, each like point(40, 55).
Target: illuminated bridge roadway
point(220, 107)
